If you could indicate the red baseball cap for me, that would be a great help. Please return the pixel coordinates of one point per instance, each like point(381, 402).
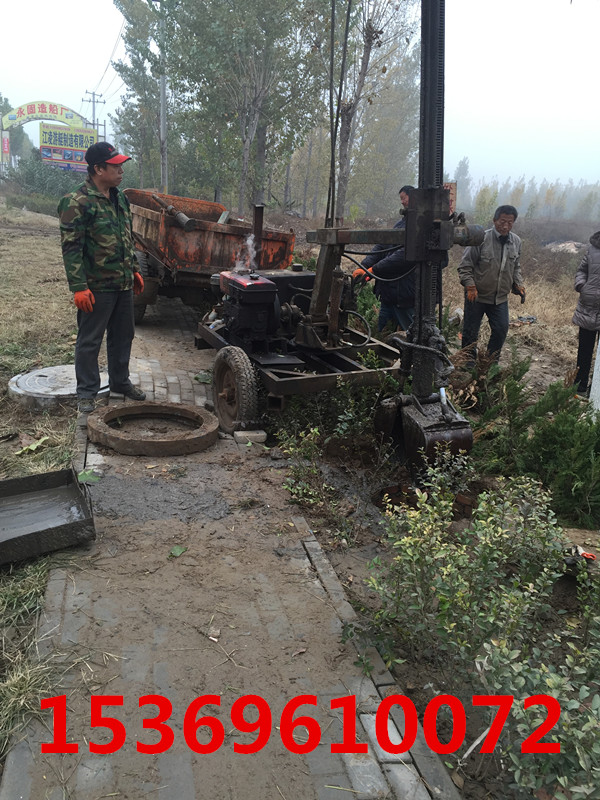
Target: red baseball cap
point(104, 153)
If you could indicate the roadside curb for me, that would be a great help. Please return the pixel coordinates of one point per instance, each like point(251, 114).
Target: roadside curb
point(432, 774)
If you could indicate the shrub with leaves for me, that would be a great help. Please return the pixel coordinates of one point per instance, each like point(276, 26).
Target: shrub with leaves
point(446, 594)
point(475, 604)
point(572, 773)
point(554, 439)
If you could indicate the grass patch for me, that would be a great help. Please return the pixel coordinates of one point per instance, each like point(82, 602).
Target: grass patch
point(24, 679)
point(37, 318)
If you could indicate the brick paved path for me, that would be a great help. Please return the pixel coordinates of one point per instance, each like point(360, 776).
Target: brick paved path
point(254, 611)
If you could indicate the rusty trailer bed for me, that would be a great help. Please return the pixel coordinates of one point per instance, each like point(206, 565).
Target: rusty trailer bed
point(211, 243)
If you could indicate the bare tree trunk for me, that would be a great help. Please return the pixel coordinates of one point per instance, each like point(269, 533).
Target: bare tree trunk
point(306, 177)
point(287, 191)
point(316, 191)
point(347, 116)
point(243, 176)
point(261, 163)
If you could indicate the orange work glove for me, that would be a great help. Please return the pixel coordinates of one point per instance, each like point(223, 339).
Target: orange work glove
point(138, 283)
point(360, 273)
point(84, 300)
point(471, 294)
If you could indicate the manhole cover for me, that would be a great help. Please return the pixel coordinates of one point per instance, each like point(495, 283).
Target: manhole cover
point(48, 387)
point(153, 429)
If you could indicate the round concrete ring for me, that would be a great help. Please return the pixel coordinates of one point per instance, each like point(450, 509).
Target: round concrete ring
point(198, 438)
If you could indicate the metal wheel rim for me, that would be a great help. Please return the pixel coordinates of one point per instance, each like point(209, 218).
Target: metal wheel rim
point(227, 396)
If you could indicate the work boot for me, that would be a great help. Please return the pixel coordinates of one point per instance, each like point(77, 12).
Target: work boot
point(85, 405)
point(133, 393)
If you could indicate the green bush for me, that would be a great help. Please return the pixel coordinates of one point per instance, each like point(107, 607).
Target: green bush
point(475, 604)
point(564, 451)
point(447, 594)
point(33, 202)
point(34, 176)
point(555, 439)
point(368, 305)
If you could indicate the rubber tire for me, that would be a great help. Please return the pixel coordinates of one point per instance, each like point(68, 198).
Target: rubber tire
point(139, 309)
point(235, 389)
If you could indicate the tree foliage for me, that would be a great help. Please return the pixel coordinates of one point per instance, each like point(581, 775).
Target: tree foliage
point(247, 86)
point(20, 143)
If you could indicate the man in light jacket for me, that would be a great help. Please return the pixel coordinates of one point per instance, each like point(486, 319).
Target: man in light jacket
point(587, 313)
point(489, 273)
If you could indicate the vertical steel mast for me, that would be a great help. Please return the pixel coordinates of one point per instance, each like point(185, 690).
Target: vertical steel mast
point(429, 205)
point(431, 132)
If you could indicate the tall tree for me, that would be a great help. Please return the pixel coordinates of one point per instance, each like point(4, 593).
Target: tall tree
point(247, 65)
point(383, 31)
point(463, 184)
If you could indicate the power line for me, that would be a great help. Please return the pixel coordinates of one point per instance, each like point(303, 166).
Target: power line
point(116, 91)
point(114, 77)
point(111, 55)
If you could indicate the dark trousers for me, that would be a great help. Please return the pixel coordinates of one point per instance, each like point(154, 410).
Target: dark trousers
point(402, 317)
point(585, 350)
point(113, 314)
point(498, 318)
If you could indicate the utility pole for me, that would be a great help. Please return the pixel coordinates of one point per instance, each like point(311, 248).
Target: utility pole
point(93, 101)
point(164, 179)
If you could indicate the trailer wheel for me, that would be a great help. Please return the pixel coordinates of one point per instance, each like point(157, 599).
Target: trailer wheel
point(139, 307)
point(235, 389)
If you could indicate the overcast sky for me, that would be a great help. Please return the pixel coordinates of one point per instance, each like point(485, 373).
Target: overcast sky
point(521, 77)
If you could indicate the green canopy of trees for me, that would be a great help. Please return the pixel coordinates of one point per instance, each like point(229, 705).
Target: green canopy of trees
point(249, 86)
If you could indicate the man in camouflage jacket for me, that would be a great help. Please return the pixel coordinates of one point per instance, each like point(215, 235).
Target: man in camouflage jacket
point(102, 270)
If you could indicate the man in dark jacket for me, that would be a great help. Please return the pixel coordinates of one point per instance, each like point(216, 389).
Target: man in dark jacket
point(102, 271)
point(397, 297)
point(587, 313)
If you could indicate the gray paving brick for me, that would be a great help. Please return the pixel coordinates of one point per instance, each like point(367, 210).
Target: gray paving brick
point(406, 782)
point(16, 778)
point(334, 787)
point(73, 619)
point(427, 762)
point(106, 610)
point(380, 675)
point(365, 774)
point(323, 762)
point(136, 663)
point(94, 775)
point(363, 688)
point(368, 723)
point(330, 581)
point(176, 776)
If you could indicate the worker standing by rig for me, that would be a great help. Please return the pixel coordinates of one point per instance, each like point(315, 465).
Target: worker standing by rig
point(489, 273)
point(102, 270)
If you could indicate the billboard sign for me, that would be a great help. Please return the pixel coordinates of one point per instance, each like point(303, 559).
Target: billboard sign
point(5, 147)
point(42, 109)
point(65, 147)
